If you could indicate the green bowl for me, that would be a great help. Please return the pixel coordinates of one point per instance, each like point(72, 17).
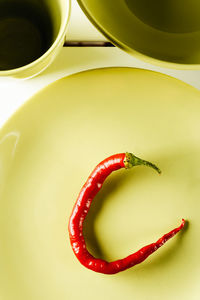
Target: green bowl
point(166, 33)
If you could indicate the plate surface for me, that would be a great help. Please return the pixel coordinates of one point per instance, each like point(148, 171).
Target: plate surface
point(48, 149)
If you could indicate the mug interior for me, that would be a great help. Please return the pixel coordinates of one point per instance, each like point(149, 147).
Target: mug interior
point(167, 30)
point(28, 28)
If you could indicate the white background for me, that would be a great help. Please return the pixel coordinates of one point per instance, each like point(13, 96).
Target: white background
point(73, 59)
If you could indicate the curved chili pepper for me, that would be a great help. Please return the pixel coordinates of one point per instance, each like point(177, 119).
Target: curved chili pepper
point(81, 208)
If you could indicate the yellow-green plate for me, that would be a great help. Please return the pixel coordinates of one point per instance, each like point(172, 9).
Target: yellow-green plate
point(47, 150)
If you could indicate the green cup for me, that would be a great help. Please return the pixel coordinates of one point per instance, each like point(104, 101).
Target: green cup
point(31, 34)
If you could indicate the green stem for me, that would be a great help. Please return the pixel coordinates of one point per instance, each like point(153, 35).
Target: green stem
point(132, 160)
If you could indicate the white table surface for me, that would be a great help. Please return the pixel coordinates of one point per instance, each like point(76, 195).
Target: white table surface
point(74, 59)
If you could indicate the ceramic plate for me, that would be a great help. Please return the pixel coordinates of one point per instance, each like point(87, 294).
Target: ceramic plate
point(47, 150)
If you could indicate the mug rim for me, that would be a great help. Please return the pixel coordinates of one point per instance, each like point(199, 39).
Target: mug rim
point(138, 55)
point(60, 36)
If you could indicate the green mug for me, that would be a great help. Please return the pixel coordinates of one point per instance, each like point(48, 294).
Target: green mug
point(31, 34)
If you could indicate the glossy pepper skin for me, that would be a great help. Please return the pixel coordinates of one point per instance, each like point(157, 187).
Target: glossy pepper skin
point(82, 206)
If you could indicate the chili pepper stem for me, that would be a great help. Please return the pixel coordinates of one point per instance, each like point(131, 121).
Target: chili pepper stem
point(132, 160)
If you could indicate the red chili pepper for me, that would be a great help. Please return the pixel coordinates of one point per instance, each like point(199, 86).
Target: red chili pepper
point(81, 208)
